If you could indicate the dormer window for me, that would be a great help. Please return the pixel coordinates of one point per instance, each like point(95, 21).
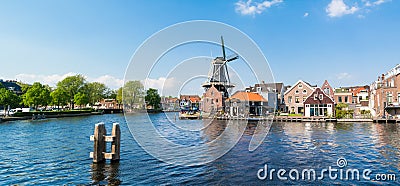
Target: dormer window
point(321, 97)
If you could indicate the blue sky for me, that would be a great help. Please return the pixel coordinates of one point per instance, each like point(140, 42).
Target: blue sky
point(347, 42)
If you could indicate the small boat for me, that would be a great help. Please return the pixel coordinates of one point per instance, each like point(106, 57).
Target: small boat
point(189, 110)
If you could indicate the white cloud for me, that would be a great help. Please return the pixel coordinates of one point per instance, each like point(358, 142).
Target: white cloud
point(306, 14)
point(343, 75)
point(51, 80)
point(162, 84)
point(252, 8)
point(110, 81)
point(44, 79)
point(338, 8)
point(378, 2)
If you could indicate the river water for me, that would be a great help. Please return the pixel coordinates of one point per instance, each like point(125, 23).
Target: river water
point(56, 151)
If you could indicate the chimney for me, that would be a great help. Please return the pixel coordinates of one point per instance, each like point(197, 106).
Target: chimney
point(383, 77)
point(379, 78)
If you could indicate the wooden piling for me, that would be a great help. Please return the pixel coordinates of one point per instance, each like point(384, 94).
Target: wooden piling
point(99, 153)
point(116, 144)
point(99, 146)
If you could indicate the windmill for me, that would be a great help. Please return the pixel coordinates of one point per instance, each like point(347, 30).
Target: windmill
point(218, 75)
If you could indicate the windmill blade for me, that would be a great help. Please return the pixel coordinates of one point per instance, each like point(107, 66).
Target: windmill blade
point(223, 48)
point(232, 57)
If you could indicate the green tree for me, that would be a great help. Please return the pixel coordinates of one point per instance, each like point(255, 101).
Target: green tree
point(95, 91)
point(8, 97)
point(59, 97)
point(24, 87)
point(81, 99)
point(153, 98)
point(72, 85)
point(111, 94)
point(118, 97)
point(37, 95)
point(133, 93)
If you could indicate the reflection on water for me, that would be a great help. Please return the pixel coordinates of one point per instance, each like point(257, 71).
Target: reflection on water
point(105, 172)
point(56, 152)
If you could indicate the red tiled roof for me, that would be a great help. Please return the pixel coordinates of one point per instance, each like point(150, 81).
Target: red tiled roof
point(247, 96)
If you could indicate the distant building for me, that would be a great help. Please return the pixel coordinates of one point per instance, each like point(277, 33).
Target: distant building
point(319, 104)
point(189, 102)
point(355, 96)
point(246, 104)
point(385, 91)
point(296, 95)
point(343, 95)
point(212, 100)
point(170, 104)
point(327, 89)
point(108, 104)
point(12, 85)
point(272, 92)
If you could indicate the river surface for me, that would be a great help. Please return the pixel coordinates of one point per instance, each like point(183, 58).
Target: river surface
point(56, 152)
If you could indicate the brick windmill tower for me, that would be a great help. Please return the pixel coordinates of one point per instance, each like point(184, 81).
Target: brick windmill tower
point(218, 83)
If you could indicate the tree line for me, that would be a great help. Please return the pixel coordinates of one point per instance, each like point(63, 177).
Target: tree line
point(76, 90)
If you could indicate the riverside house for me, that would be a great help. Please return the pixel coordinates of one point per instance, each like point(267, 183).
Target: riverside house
point(246, 104)
point(296, 95)
point(272, 92)
point(189, 101)
point(319, 104)
point(212, 101)
point(385, 92)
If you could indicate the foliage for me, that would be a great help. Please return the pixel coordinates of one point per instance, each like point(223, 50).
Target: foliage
point(81, 98)
point(118, 97)
point(341, 110)
point(24, 87)
point(8, 97)
point(94, 91)
point(132, 93)
point(110, 94)
point(341, 106)
point(153, 98)
point(72, 85)
point(59, 97)
point(37, 95)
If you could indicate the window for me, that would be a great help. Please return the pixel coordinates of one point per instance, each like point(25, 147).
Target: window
point(289, 99)
point(389, 98)
point(258, 89)
point(340, 99)
point(304, 99)
point(307, 105)
point(297, 91)
point(315, 96)
point(326, 91)
point(346, 99)
point(296, 99)
point(321, 97)
point(304, 91)
point(398, 97)
point(300, 85)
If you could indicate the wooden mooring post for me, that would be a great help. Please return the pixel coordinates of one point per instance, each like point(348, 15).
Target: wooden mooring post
point(99, 138)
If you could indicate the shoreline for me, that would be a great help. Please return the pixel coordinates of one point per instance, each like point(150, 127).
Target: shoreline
point(5, 119)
